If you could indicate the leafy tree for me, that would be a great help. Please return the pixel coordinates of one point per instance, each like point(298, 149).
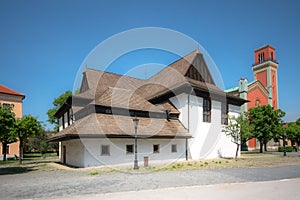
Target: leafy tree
point(246, 127)
point(233, 129)
point(293, 132)
point(57, 103)
point(26, 127)
point(7, 121)
point(39, 143)
point(298, 121)
point(267, 124)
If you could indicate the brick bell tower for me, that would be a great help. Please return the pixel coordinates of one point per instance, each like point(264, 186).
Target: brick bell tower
point(265, 70)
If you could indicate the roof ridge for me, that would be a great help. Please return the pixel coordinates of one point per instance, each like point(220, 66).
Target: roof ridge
point(114, 73)
point(196, 51)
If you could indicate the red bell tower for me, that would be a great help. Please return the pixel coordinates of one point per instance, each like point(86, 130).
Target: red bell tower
point(265, 70)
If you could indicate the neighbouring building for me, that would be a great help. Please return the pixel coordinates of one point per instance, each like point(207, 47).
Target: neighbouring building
point(180, 110)
point(264, 89)
point(9, 97)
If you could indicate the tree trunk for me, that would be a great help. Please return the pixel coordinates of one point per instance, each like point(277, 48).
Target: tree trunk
point(260, 147)
point(237, 151)
point(265, 146)
point(4, 146)
point(20, 151)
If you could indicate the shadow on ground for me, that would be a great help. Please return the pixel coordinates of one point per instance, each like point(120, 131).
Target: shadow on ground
point(16, 170)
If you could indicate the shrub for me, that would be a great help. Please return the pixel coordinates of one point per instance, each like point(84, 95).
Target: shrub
point(287, 148)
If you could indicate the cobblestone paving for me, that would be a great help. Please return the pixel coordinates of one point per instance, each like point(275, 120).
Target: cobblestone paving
point(75, 182)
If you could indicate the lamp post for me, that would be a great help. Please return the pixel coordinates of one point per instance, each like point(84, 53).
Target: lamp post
point(136, 122)
point(284, 149)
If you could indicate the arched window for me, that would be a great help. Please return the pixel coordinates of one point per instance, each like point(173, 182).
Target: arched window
point(257, 102)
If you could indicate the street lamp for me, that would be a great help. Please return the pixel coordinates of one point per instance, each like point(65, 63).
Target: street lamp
point(284, 149)
point(135, 122)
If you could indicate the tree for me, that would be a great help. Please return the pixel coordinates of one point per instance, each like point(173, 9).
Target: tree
point(267, 124)
point(57, 103)
point(246, 128)
point(293, 132)
point(233, 129)
point(26, 127)
point(7, 121)
point(39, 143)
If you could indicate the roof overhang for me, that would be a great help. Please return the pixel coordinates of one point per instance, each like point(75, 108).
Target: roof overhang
point(67, 137)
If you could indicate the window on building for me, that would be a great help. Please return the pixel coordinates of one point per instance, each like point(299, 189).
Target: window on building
point(174, 148)
point(108, 111)
point(261, 57)
point(257, 102)
point(271, 56)
point(206, 110)
point(129, 149)
point(156, 148)
point(7, 105)
point(224, 113)
point(105, 150)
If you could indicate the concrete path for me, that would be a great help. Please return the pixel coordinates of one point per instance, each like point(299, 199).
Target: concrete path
point(63, 183)
point(280, 189)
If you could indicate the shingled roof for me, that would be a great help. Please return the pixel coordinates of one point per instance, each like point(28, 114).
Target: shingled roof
point(116, 91)
point(118, 126)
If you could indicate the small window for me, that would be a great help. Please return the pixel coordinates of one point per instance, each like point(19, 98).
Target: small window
point(257, 102)
point(224, 113)
point(261, 57)
point(156, 148)
point(206, 110)
point(174, 148)
point(105, 150)
point(129, 149)
point(108, 111)
point(271, 56)
point(7, 105)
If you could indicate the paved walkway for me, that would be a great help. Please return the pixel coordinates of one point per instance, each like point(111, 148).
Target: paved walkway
point(269, 190)
point(63, 183)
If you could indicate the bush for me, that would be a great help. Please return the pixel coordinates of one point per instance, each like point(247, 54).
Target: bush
point(287, 148)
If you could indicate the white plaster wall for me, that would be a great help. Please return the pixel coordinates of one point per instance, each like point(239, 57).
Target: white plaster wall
point(181, 103)
point(87, 151)
point(208, 140)
point(226, 147)
point(74, 152)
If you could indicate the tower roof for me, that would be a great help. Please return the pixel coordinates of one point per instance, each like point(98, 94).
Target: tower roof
point(263, 47)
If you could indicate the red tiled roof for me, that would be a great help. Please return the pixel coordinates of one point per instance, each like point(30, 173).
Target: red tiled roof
point(6, 90)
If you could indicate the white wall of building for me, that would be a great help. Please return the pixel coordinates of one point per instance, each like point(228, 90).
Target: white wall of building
point(87, 152)
point(208, 140)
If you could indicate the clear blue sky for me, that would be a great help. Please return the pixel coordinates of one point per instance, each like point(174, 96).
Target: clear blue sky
point(43, 43)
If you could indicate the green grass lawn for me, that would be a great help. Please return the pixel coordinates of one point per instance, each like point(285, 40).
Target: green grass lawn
point(38, 155)
point(29, 157)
